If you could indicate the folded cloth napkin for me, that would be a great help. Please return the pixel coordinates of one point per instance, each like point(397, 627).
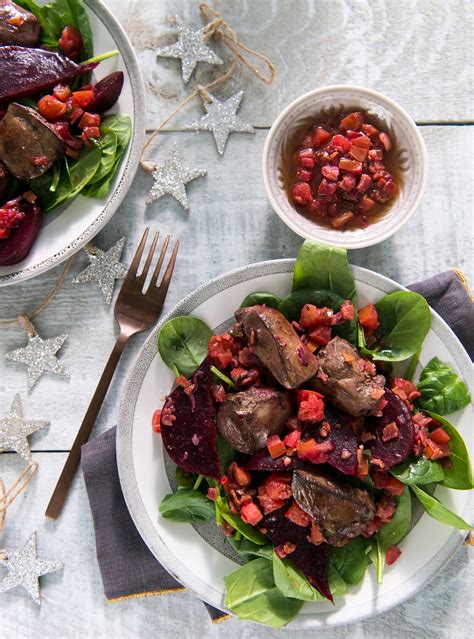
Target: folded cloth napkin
point(127, 566)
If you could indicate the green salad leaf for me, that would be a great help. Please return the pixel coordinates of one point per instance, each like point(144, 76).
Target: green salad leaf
point(419, 471)
point(442, 390)
point(391, 533)
point(405, 319)
point(182, 342)
point(223, 512)
point(458, 474)
point(225, 452)
point(248, 550)
point(53, 17)
point(439, 511)
point(251, 593)
point(291, 305)
point(269, 299)
point(291, 582)
point(351, 560)
point(188, 506)
point(184, 479)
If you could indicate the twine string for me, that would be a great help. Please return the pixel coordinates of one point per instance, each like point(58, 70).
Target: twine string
point(219, 28)
point(25, 319)
point(8, 497)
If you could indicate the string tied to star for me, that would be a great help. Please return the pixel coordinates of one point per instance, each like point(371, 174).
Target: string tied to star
point(221, 116)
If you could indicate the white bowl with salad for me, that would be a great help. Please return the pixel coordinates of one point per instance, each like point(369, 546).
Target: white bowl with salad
point(317, 441)
point(71, 132)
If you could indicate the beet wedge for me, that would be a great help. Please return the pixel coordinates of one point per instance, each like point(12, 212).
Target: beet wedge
point(191, 437)
point(26, 71)
point(312, 560)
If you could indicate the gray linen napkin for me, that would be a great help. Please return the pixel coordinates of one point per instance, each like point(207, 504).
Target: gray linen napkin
point(127, 566)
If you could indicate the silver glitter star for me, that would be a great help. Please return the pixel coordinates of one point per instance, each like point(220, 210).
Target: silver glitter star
point(39, 355)
point(24, 568)
point(221, 119)
point(170, 178)
point(14, 430)
point(191, 48)
point(104, 268)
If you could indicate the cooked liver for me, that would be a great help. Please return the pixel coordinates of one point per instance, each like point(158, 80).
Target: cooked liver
point(17, 25)
point(4, 179)
point(247, 419)
point(344, 382)
point(277, 345)
point(340, 510)
point(28, 144)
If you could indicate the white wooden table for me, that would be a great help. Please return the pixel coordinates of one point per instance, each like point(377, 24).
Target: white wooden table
point(417, 52)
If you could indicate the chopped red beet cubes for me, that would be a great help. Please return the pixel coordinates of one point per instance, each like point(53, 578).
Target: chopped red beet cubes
point(339, 172)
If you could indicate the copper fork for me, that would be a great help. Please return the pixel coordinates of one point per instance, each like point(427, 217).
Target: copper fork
point(135, 311)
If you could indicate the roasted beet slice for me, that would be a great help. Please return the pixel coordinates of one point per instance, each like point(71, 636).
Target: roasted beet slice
point(344, 455)
point(312, 560)
point(106, 92)
point(388, 450)
point(187, 426)
point(27, 71)
point(17, 245)
point(263, 461)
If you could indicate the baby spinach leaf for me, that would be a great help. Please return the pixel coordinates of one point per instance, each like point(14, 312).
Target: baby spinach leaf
point(108, 147)
point(248, 550)
point(405, 319)
point(269, 299)
point(319, 266)
point(292, 583)
point(225, 452)
point(182, 342)
point(392, 532)
point(184, 479)
point(249, 532)
point(187, 505)
point(442, 390)
point(416, 472)
point(251, 593)
point(119, 124)
point(459, 474)
point(439, 511)
point(351, 560)
point(291, 305)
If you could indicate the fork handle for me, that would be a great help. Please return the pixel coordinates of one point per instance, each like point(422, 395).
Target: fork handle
point(62, 487)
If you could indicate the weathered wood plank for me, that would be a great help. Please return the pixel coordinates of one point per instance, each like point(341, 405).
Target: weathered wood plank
point(230, 225)
point(415, 52)
point(74, 606)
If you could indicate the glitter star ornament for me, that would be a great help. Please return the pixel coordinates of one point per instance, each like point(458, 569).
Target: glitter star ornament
point(191, 48)
point(104, 268)
point(24, 569)
point(14, 430)
point(170, 178)
point(221, 119)
point(39, 356)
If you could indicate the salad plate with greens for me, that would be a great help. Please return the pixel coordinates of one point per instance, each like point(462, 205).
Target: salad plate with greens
point(71, 129)
point(293, 442)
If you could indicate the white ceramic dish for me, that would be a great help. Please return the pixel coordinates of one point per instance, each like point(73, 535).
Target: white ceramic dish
point(184, 553)
point(66, 231)
point(412, 157)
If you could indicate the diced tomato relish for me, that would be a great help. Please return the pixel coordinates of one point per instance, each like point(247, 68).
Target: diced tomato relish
point(339, 171)
point(297, 515)
point(251, 514)
point(369, 317)
point(392, 554)
point(275, 446)
point(440, 436)
point(221, 350)
point(311, 406)
point(387, 482)
point(156, 421)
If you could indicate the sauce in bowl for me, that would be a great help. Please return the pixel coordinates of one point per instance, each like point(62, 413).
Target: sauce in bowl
point(342, 171)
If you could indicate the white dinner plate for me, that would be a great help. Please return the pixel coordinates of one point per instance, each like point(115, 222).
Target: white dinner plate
point(66, 231)
point(180, 548)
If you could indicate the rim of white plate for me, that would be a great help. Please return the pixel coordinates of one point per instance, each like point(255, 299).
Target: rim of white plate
point(125, 464)
point(129, 164)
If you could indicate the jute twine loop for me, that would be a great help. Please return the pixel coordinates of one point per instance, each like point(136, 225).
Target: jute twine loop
point(219, 28)
point(25, 319)
point(7, 497)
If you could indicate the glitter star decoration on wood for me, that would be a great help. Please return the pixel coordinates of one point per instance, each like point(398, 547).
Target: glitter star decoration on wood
point(14, 430)
point(191, 48)
point(24, 569)
point(170, 178)
point(104, 268)
point(221, 119)
point(39, 356)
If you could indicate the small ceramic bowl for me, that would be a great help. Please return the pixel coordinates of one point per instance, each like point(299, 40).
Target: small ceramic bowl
point(409, 145)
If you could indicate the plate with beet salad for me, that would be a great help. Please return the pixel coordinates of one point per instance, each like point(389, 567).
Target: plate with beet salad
point(293, 441)
point(71, 129)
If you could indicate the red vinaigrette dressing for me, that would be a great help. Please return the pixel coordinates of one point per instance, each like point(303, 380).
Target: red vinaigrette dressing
point(330, 121)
